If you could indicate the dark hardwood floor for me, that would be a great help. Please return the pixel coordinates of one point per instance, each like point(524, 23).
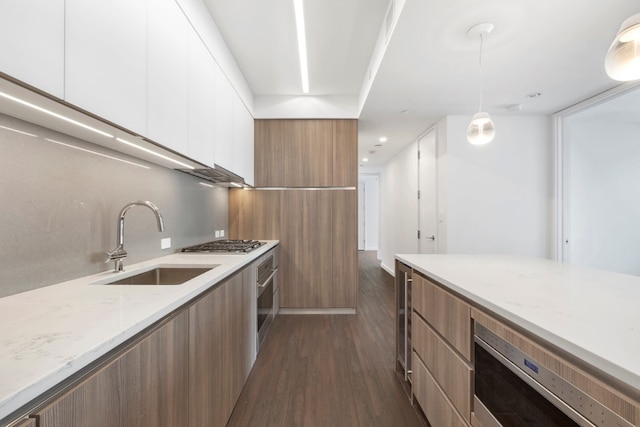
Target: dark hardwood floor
point(321, 370)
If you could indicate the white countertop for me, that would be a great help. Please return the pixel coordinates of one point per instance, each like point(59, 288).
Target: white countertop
point(592, 314)
point(48, 334)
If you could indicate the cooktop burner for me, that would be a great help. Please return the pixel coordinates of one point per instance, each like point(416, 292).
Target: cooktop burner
point(226, 246)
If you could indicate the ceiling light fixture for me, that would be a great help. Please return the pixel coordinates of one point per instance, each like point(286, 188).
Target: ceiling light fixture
point(481, 130)
point(56, 115)
point(146, 150)
point(383, 139)
point(302, 44)
point(622, 62)
point(365, 159)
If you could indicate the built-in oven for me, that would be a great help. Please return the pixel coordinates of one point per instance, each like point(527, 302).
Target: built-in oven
point(267, 294)
point(513, 389)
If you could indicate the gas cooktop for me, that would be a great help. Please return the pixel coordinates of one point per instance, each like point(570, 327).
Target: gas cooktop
point(225, 246)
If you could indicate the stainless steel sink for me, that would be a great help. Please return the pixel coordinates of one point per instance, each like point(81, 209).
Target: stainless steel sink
point(163, 276)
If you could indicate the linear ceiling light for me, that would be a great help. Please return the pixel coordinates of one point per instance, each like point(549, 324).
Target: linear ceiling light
point(146, 150)
point(51, 113)
point(302, 44)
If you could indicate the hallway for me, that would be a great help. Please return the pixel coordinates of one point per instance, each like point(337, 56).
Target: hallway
point(321, 370)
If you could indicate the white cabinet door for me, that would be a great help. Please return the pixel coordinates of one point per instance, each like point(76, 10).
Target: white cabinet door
point(106, 59)
point(224, 121)
point(202, 101)
point(32, 47)
point(168, 75)
point(242, 140)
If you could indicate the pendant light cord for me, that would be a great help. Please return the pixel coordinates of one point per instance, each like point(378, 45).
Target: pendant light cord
point(481, 73)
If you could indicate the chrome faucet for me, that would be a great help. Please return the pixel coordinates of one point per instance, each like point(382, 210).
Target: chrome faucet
point(118, 254)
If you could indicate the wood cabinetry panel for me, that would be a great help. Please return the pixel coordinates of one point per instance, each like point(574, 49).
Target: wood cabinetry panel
point(217, 369)
point(306, 153)
point(345, 248)
point(448, 315)
point(345, 153)
point(306, 250)
point(146, 386)
point(451, 372)
point(431, 398)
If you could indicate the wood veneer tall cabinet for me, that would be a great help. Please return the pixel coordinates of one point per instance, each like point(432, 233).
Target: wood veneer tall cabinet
point(306, 177)
point(147, 386)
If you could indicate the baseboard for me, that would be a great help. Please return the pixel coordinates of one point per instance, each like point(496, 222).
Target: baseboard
point(317, 311)
point(391, 271)
point(372, 248)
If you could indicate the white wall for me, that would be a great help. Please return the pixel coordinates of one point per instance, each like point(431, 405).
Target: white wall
point(399, 206)
point(500, 196)
point(602, 196)
point(493, 199)
point(371, 210)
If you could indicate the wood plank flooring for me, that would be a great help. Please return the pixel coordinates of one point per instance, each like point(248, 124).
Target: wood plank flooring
point(321, 370)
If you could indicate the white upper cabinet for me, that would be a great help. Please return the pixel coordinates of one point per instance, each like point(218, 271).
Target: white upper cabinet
point(32, 47)
point(106, 59)
point(202, 101)
point(242, 140)
point(224, 121)
point(168, 75)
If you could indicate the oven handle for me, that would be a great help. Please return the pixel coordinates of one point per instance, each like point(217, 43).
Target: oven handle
point(568, 410)
point(266, 282)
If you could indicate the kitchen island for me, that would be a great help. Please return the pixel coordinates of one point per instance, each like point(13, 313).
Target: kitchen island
point(588, 317)
point(50, 334)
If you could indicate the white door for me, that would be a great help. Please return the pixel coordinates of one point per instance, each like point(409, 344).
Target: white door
point(361, 216)
point(427, 209)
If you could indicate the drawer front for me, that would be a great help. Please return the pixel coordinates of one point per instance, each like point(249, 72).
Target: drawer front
point(447, 314)
point(451, 372)
point(432, 400)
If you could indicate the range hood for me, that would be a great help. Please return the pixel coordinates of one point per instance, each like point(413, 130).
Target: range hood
point(218, 175)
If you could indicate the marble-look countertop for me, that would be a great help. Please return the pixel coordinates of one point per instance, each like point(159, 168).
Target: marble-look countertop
point(592, 314)
point(48, 334)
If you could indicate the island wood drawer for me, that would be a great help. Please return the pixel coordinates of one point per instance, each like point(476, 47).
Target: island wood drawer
point(452, 372)
point(432, 400)
point(447, 314)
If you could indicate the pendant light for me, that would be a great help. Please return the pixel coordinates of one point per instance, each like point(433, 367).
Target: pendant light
point(623, 57)
point(481, 130)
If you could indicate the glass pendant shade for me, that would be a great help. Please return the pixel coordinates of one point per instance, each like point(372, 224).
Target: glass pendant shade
point(481, 130)
point(622, 62)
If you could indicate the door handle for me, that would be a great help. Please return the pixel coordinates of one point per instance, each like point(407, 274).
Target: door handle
point(431, 238)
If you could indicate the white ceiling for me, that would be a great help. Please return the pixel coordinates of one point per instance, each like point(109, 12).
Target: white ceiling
point(430, 66)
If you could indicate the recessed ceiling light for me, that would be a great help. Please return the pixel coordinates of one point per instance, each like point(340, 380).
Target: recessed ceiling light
point(383, 139)
point(364, 159)
point(378, 145)
point(534, 94)
point(514, 107)
point(405, 112)
point(372, 151)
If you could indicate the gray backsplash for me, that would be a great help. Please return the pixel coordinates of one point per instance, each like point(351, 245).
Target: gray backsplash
point(60, 206)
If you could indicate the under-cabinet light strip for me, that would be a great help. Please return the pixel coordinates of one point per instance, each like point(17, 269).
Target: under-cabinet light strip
point(51, 113)
point(302, 44)
point(18, 131)
point(146, 150)
point(97, 154)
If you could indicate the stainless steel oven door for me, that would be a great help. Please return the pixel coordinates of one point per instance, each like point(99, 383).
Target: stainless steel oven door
point(265, 307)
point(514, 390)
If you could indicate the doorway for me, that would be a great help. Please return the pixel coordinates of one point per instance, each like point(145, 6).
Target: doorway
point(368, 212)
point(427, 193)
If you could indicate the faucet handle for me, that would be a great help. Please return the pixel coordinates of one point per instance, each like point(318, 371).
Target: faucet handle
point(117, 253)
